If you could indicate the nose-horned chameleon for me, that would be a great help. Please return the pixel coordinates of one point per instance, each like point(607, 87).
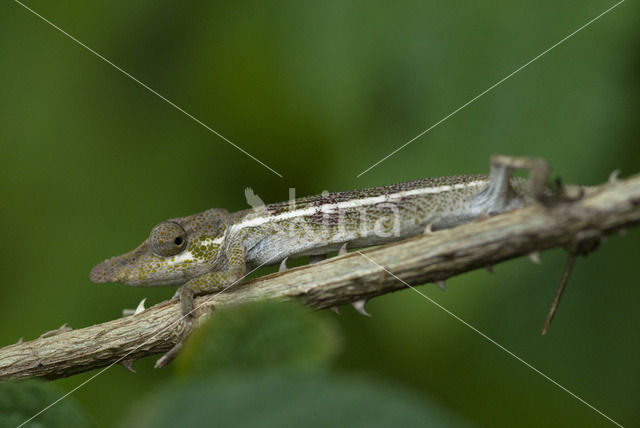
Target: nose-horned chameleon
point(211, 250)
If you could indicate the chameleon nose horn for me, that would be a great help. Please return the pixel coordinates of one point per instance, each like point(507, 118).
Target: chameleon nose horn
point(104, 272)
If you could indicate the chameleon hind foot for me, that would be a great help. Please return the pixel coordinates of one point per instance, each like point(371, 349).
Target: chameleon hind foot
point(503, 166)
point(501, 195)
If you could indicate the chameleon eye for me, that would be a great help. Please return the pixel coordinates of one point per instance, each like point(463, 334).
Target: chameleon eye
point(167, 239)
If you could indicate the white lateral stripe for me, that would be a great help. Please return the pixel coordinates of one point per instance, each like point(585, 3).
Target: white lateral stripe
point(188, 255)
point(217, 240)
point(354, 203)
point(182, 257)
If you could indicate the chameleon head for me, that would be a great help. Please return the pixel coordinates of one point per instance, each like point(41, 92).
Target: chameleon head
point(176, 251)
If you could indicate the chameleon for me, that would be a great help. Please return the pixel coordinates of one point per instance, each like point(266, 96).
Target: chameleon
point(211, 250)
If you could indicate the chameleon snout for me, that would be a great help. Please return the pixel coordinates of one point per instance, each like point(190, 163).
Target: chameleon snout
point(138, 268)
point(107, 271)
point(120, 268)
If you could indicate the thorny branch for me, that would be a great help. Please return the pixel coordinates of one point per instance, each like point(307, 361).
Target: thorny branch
point(575, 225)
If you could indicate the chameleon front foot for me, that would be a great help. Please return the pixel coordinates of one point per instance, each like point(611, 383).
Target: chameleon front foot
point(187, 328)
point(185, 294)
point(210, 282)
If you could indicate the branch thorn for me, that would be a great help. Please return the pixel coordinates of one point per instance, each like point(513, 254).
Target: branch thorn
point(613, 177)
point(343, 249)
point(535, 257)
point(358, 305)
point(128, 364)
point(428, 230)
point(556, 300)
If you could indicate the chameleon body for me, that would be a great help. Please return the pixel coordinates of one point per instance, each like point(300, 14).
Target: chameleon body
point(213, 249)
point(185, 248)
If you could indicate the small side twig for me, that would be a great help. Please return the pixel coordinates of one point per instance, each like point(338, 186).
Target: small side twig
point(563, 284)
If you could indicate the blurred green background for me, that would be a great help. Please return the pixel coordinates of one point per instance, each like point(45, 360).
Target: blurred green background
point(319, 91)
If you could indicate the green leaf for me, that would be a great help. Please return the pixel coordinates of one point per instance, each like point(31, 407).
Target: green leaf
point(20, 401)
point(265, 334)
point(288, 399)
